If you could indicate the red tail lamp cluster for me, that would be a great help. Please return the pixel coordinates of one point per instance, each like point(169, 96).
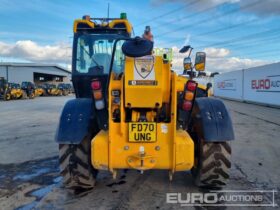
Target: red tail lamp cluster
point(189, 94)
point(97, 94)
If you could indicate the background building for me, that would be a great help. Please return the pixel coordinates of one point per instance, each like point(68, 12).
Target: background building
point(34, 72)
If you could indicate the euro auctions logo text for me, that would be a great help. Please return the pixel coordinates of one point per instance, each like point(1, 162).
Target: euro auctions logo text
point(253, 198)
point(229, 84)
point(268, 84)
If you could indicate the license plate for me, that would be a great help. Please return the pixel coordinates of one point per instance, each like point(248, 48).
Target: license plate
point(142, 132)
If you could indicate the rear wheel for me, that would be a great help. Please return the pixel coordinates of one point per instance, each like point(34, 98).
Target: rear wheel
point(75, 165)
point(212, 164)
point(32, 95)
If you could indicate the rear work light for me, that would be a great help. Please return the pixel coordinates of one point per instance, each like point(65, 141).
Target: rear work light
point(95, 85)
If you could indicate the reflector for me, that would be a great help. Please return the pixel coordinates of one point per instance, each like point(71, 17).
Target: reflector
point(99, 104)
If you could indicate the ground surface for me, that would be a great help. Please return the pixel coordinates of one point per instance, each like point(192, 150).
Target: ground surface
point(29, 177)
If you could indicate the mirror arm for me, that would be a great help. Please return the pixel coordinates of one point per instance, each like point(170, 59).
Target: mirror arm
point(190, 51)
point(112, 61)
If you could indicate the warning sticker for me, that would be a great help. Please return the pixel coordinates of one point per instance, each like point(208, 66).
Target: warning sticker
point(164, 128)
point(144, 68)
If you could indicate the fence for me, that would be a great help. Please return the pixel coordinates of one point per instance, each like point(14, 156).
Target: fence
point(259, 84)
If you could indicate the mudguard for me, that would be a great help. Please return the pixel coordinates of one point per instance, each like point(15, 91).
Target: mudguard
point(212, 120)
point(74, 121)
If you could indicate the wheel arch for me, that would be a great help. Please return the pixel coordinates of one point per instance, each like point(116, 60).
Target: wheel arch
point(212, 120)
point(76, 120)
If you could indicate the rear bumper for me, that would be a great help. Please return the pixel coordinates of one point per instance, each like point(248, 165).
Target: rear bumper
point(172, 150)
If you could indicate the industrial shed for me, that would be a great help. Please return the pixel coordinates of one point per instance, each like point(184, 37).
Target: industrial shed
point(34, 72)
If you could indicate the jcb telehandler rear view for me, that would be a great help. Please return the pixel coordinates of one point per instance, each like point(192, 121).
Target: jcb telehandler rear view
point(133, 112)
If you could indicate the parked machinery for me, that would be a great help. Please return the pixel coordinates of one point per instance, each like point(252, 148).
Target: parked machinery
point(51, 90)
point(66, 89)
point(15, 91)
point(4, 89)
point(39, 91)
point(29, 89)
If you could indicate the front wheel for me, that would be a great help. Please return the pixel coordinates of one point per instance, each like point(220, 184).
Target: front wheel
point(212, 164)
point(75, 165)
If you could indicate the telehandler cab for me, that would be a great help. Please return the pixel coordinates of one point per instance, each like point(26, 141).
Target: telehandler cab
point(133, 112)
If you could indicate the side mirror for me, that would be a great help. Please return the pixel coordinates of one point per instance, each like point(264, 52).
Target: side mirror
point(200, 60)
point(185, 49)
point(208, 86)
point(187, 64)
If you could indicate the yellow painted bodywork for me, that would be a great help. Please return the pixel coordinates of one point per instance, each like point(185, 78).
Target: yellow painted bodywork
point(39, 91)
point(54, 92)
point(110, 24)
point(174, 148)
point(148, 95)
point(16, 93)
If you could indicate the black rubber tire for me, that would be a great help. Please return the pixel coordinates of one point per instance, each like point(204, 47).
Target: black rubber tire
point(75, 165)
point(24, 95)
point(32, 95)
point(212, 164)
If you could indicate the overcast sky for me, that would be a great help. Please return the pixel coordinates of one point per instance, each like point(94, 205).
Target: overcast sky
point(235, 34)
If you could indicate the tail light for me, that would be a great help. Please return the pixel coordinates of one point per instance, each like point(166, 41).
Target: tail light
point(187, 105)
point(97, 94)
point(191, 85)
point(189, 94)
point(96, 85)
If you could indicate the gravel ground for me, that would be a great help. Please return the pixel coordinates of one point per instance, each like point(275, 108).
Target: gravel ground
point(29, 177)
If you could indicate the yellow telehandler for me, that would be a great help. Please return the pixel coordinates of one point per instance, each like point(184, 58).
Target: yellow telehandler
point(132, 111)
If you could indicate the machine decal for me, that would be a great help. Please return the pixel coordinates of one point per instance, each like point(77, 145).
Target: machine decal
point(142, 82)
point(144, 68)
